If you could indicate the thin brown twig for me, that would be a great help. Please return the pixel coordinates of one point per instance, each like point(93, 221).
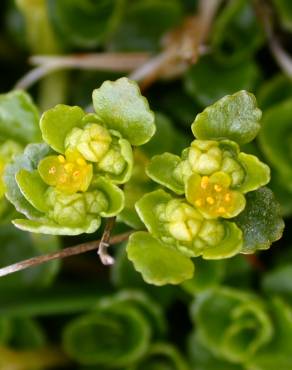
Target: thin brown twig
point(67, 252)
point(105, 258)
point(45, 64)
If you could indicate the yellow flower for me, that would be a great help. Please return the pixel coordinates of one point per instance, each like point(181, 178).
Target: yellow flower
point(69, 174)
point(212, 195)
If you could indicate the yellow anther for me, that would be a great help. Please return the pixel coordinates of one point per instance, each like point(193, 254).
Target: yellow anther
point(204, 182)
point(199, 203)
point(81, 162)
point(210, 200)
point(61, 159)
point(227, 197)
point(52, 170)
point(76, 173)
point(63, 179)
point(217, 188)
point(69, 167)
point(221, 210)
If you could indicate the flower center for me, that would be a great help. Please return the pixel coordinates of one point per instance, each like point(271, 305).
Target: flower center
point(213, 197)
point(69, 173)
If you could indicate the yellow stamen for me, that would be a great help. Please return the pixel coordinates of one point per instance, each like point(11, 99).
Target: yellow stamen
point(221, 210)
point(210, 200)
point(52, 170)
point(69, 167)
point(217, 188)
point(204, 182)
point(63, 179)
point(199, 203)
point(81, 162)
point(61, 159)
point(227, 197)
point(76, 173)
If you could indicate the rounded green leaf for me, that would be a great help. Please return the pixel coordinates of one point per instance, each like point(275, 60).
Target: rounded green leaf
point(158, 263)
point(29, 160)
point(234, 117)
point(56, 123)
point(33, 189)
point(229, 246)
point(275, 138)
point(115, 335)
point(151, 310)
point(260, 221)
point(209, 80)
point(115, 196)
point(162, 356)
point(84, 24)
point(232, 324)
point(45, 226)
point(257, 173)
point(146, 209)
point(120, 106)
point(161, 169)
point(277, 354)
point(19, 117)
point(203, 359)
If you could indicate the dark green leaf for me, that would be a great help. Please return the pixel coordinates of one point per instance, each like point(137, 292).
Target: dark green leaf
point(261, 221)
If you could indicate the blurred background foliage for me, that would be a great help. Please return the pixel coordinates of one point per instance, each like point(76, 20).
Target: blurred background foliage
point(234, 314)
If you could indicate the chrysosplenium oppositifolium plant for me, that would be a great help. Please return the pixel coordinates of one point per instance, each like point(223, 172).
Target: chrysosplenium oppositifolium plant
point(208, 202)
point(66, 184)
point(213, 203)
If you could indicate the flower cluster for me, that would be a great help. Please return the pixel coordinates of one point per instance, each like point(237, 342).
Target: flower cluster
point(211, 177)
point(67, 184)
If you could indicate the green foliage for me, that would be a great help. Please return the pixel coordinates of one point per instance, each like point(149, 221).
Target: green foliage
point(210, 79)
point(143, 24)
point(87, 24)
point(237, 33)
point(116, 333)
point(194, 287)
point(18, 118)
point(121, 107)
point(235, 117)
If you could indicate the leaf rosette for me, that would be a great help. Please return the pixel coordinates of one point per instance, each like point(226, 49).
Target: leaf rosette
point(66, 185)
point(212, 176)
point(232, 324)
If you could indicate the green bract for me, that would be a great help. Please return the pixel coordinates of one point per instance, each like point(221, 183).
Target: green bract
point(213, 177)
point(67, 188)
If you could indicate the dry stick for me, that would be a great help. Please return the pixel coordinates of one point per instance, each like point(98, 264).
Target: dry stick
point(117, 62)
point(67, 252)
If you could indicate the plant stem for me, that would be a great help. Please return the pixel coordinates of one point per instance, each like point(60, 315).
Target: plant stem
point(67, 252)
